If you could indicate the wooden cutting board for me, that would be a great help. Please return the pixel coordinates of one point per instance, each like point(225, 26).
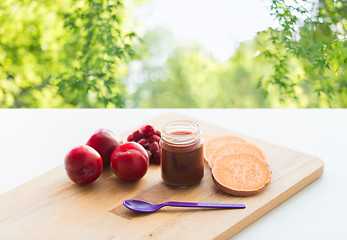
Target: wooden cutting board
point(52, 207)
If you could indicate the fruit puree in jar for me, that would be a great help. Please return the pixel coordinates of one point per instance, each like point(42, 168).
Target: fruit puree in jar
point(182, 158)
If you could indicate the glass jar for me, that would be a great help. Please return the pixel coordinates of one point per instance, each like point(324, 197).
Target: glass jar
point(181, 152)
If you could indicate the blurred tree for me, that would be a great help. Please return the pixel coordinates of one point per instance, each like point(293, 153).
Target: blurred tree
point(300, 64)
point(75, 53)
point(191, 78)
point(315, 34)
point(63, 53)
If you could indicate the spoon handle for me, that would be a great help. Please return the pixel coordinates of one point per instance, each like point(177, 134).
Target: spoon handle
point(203, 205)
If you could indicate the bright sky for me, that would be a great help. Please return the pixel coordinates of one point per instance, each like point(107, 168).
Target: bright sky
point(219, 25)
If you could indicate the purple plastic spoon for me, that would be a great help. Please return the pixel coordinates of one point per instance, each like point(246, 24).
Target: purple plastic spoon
point(142, 206)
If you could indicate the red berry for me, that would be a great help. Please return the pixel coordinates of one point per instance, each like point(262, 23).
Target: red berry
point(148, 138)
point(156, 157)
point(154, 147)
point(147, 130)
point(149, 153)
point(154, 138)
point(144, 143)
point(137, 135)
point(130, 138)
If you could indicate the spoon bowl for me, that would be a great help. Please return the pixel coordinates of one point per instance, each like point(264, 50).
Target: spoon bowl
point(142, 206)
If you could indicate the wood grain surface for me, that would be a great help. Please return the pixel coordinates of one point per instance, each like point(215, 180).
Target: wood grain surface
point(52, 207)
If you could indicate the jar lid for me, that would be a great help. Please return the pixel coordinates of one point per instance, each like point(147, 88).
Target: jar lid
point(181, 132)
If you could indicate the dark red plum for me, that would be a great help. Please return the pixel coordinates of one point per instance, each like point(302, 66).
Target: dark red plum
point(104, 142)
point(83, 164)
point(130, 161)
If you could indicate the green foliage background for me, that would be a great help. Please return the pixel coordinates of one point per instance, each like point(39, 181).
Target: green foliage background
point(83, 54)
point(63, 53)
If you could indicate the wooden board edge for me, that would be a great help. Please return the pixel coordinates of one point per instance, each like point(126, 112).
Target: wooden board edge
point(227, 234)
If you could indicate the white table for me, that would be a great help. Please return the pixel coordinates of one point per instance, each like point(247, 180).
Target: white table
point(35, 141)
